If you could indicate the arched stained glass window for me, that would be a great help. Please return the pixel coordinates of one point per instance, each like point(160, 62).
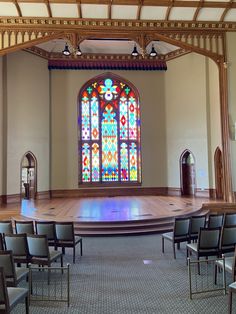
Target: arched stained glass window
point(109, 122)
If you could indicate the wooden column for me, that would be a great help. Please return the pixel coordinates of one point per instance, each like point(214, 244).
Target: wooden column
point(226, 160)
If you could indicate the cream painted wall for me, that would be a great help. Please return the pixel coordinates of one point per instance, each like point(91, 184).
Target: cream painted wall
point(231, 48)
point(65, 86)
point(213, 116)
point(28, 117)
point(186, 119)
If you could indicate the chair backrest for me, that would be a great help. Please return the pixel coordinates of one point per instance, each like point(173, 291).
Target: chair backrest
point(24, 227)
point(38, 245)
point(181, 227)
point(196, 223)
point(1, 242)
point(215, 221)
point(209, 238)
point(64, 231)
point(230, 219)
point(6, 227)
point(3, 291)
point(46, 228)
point(7, 262)
point(228, 236)
point(17, 243)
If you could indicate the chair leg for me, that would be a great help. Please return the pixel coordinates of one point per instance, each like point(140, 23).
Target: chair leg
point(74, 254)
point(162, 240)
point(174, 250)
point(81, 247)
point(178, 246)
point(27, 305)
point(230, 302)
point(215, 274)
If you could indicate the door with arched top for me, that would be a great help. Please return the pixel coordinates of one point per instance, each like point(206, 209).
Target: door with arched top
point(218, 173)
point(28, 176)
point(187, 173)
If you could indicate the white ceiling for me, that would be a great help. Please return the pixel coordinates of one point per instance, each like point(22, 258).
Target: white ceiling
point(208, 10)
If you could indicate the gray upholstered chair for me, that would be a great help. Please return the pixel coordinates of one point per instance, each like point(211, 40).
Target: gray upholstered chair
point(227, 239)
point(230, 219)
point(6, 227)
point(215, 220)
point(39, 251)
point(1, 242)
point(17, 243)
point(24, 227)
point(180, 233)
point(13, 274)
point(207, 244)
point(232, 289)
point(228, 264)
point(67, 238)
point(11, 296)
point(47, 228)
point(196, 222)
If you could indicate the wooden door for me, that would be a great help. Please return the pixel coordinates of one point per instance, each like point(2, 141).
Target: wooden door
point(218, 174)
point(188, 174)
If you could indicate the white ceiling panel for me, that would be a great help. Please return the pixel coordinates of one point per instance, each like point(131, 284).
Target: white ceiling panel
point(153, 13)
point(97, 11)
point(207, 14)
point(33, 9)
point(64, 10)
point(177, 13)
point(8, 9)
point(128, 12)
point(231, 15)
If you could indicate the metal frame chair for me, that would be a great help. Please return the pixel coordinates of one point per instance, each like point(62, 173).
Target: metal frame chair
point(11, 296)
point(227, 239)
point(229, 219)
point(180, 233)
point(47, 228)
point(196, 222)
point(215, 220)
point(1, 242)
point(24, 227)
point(6, 227)
point(13, 274)
point(66, 237)
point(17, 243)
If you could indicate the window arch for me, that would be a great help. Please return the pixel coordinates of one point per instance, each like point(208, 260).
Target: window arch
point(109, 127)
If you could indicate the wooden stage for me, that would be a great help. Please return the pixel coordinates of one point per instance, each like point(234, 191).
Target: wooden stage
point(110, 215)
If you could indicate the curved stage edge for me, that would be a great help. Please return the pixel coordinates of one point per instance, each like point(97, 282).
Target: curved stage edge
point(113, 215)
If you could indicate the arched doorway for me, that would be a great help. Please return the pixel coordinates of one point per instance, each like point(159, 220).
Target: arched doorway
point(187, 173)
point(218, 173)
point(28, 176)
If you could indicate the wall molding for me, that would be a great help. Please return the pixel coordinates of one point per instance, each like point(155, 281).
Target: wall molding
point(43, 195)
point(12, 198)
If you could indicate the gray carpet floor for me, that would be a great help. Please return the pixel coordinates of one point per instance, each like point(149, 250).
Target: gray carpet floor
point(129, 275)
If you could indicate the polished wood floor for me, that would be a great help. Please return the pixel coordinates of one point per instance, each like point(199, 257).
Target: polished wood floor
point(109, 215)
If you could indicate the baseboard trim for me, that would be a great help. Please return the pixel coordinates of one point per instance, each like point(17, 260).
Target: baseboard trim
point(43, 195)
point(109, 192)
point(12, 198)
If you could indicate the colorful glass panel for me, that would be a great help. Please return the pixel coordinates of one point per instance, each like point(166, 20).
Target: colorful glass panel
point(110, 132)
point(85, 162)
point(85, 116)
point(109, 145)
point(132, 117)
point(94, 117)
point(124, 162)
point(95, 163)
point(123, 117)
point(133, 162)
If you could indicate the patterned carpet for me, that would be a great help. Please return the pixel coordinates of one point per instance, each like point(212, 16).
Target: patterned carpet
point(129, 275)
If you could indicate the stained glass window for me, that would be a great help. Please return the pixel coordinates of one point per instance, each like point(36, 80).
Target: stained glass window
point(109, 122)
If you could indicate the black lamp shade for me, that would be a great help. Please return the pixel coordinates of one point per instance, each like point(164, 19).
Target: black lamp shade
point(134, 52)
point(66, 51)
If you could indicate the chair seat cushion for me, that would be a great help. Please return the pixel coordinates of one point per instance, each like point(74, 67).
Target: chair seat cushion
point(21, 272)
point(228, 263)
point(233, 285)
point(15, 294)
point(192, 246)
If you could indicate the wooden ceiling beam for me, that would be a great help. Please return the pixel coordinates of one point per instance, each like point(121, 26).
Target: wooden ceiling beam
point(165, 3)
point(169, 10)
point(200, 5)
point(79, 8)
point(230, 4)
point(48, 8)
point(139, 9)
point(109, 13)
point(18, 8)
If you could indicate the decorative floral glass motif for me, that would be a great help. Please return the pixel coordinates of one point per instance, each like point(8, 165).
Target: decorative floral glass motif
point(109, 131)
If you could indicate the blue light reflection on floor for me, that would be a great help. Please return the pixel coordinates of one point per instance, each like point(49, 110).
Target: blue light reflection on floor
point(27, 207)
point(111, 209)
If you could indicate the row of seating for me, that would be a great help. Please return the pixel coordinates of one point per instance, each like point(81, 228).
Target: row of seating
point(218, 233)
point(57, 234)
